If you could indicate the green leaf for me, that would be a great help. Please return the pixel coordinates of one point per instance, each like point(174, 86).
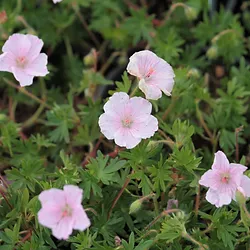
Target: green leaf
point(104, 171)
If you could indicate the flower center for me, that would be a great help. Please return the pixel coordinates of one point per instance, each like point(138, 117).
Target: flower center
point(21, 61)
point(150, 72)
point(66, 211)
point(127, 122)
point(225, 178)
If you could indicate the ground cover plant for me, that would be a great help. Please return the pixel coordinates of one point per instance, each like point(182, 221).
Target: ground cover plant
point(124, 124)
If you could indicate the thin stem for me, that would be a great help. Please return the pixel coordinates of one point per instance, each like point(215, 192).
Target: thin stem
point(246, 211)
point(164, 135)
point(190, 238)
point(222, 33)
point(156, 205)
point(147, 197)
point(119, 195)
point(24, 91)
point(85, 25)
point(197, 201)
point(34, 117)
point(146, 234)
point(237, 131)
point(12, 109)
point(169, 109)
point(208, 229)
point(18, 6)
point(173, 7)
point(167, 140)
point(4, 181)
point(91, 210)
point(68, 48)
point(22, 20)
point(170, 143)
point(164, 213)
point(134, 91)
point(203, 123)
point(5, 198)
point(109, 61)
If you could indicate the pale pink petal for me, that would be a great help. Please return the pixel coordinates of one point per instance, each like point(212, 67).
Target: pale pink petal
point(81, 221)
point(212, 197)
point(109, 125)
point(62, 210)
point(38, 67)
point(73, 195)
point(218, 199)
point(141, 62)
point(52, 195)
point(224, 180)
point(155, 74)
point(208, 179)
point(124, 138)
point(163, 70)
point(164, 84)
point(22, 57)
point(145, 129)
point(224, 199)
point(162, 77)
point(245, 185)
point(220, 161)
point(56, 1)
point(23, 78)
point(238, 168)
point(63, 229)
point(36, 47)
point(151, 91)
point(116, 104)
point(236, 172)
point(49, 216)
point(17, 44)
point(143, 107)
point(7, 60)
point(127, 120)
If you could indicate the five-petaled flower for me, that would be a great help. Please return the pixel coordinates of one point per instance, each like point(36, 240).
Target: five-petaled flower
point(127, 120)
point(224, 180)
point(21, 56)
point(62, 211)
point(155, 74)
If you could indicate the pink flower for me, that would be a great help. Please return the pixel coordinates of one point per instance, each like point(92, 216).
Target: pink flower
point(57, 1)
point(21, 56)
point(155, 74)
point(127, 120)
point(223, 181)
point(62, 211)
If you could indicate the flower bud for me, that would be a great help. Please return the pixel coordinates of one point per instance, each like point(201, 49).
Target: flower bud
point(118, 241)
point(3, 117)
point(122, 60)
point(152, 145)
point(191, 13)
point(195, 73)
point(212, 52)
point(135, 206)
point(3, 17)
point(240, 196)
point(89, 59)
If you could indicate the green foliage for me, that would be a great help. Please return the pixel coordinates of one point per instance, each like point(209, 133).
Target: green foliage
point(128, 194)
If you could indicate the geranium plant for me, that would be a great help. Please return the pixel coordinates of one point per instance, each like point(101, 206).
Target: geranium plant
point(124, 125)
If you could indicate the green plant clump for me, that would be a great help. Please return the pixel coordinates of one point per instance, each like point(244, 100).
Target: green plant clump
point(147, 197)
